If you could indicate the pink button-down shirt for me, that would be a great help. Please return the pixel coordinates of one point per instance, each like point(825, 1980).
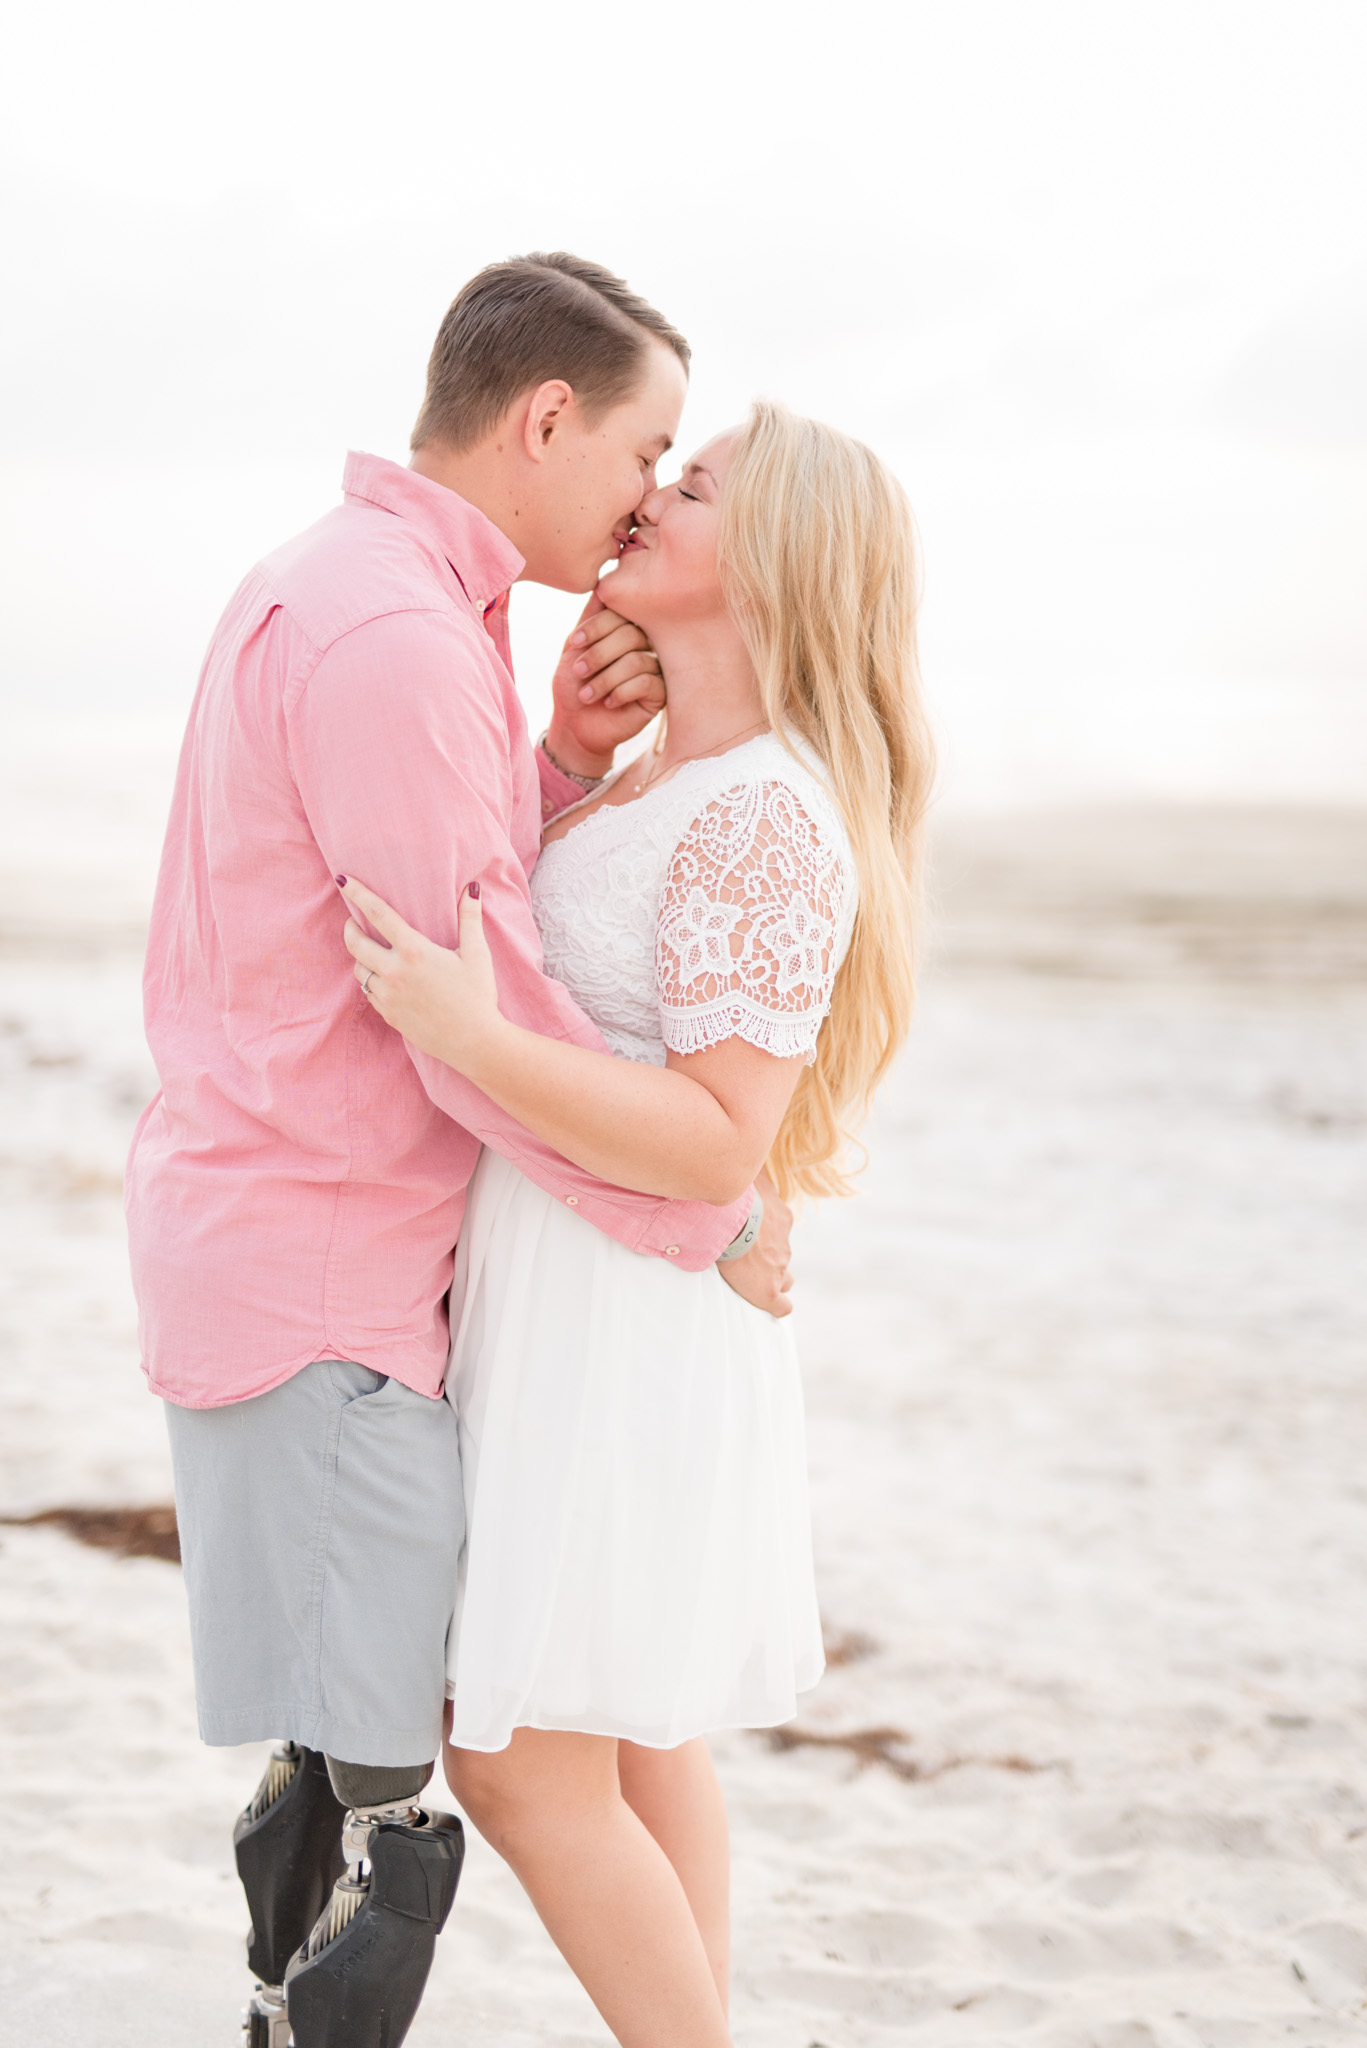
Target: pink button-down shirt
point(296, 1188)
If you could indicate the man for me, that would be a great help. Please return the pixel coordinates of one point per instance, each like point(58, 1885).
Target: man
point(296, 1188)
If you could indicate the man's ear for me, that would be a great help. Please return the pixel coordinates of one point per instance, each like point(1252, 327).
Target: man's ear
point(547, 413)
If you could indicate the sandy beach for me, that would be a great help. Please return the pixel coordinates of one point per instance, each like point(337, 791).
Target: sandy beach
point(1084, 1367)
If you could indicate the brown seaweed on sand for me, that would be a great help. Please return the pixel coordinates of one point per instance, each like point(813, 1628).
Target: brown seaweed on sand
point(881, 1745)
point(130, 1532)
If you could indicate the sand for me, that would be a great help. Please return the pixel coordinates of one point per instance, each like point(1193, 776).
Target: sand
point(1084, 1367)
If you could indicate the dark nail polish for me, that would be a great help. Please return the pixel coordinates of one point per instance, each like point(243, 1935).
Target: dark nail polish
point(340, 880)
point(473, 891)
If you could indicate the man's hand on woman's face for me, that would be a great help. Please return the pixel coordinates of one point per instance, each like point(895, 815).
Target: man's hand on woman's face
point(607, 688)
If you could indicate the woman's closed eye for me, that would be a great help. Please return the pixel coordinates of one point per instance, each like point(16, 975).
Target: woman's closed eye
point(691, 496)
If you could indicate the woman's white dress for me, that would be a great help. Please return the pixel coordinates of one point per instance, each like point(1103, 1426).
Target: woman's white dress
point(638, 1556)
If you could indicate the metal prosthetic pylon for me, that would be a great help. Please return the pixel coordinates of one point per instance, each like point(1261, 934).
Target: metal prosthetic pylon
point(358, 1980)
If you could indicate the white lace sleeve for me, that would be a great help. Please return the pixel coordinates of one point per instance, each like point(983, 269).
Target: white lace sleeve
point(745, 943)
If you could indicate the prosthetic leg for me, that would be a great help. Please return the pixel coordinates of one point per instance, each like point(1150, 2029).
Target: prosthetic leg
point(289, 1853)
point(358, 1979)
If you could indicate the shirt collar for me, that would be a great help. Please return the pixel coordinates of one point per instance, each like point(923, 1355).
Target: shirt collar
point(484, 559)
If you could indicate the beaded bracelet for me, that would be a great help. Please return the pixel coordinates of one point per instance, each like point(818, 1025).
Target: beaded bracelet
point(586, 782)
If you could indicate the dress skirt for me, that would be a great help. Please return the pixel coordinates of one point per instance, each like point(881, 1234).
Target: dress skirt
point(638, 1556)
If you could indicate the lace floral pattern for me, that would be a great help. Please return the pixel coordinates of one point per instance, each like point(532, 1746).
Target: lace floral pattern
point(719, 905)
point(745, 940)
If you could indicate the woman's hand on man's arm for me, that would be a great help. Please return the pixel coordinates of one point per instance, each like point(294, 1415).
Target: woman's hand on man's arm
point(640, 1127)
point(443, 1001)
point(697, 1129)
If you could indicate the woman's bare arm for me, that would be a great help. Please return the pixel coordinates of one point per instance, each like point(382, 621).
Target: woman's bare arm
point(699, 1128)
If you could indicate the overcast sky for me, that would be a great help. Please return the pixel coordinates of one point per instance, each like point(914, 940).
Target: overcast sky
point(1094, 278)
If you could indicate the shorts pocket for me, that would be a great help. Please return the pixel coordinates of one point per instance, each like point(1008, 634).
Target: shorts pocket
point(351, 1382)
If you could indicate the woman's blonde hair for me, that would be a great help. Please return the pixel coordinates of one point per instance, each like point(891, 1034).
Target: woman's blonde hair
point(819, 562)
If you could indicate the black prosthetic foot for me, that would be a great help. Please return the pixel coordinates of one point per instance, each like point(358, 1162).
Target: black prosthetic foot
point(288, 1845)
point(358, 1980)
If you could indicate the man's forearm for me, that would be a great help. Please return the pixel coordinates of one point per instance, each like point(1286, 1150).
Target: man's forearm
point(573, 760)
point(559, 789)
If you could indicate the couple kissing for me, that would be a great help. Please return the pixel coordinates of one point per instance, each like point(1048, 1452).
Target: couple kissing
point(488, 1071)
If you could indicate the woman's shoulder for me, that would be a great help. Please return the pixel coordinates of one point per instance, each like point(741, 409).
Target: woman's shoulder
point(764, 842)
point(769, 795)
point(778, 773)
point(767, 759)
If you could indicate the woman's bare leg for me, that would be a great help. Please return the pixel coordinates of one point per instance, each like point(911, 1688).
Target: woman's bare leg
point(676, 1794)
point(606, 1891)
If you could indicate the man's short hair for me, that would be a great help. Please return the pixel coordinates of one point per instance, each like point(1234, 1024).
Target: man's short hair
point(522, 322)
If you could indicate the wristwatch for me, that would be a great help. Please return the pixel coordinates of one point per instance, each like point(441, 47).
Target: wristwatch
point(741, 1244)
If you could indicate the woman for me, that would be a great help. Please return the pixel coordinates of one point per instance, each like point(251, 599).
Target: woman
point(734, 911)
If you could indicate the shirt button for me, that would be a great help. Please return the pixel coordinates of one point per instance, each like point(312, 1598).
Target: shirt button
point(671, 1251)
point(572, 1201)
point(546, 806)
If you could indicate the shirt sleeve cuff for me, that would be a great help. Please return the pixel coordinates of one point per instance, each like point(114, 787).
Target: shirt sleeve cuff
point(558, 791)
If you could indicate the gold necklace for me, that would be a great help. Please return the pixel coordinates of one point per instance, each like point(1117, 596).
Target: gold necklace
point(760, 725)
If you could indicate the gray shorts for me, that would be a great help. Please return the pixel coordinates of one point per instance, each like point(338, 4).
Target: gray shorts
point(321, 1527)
